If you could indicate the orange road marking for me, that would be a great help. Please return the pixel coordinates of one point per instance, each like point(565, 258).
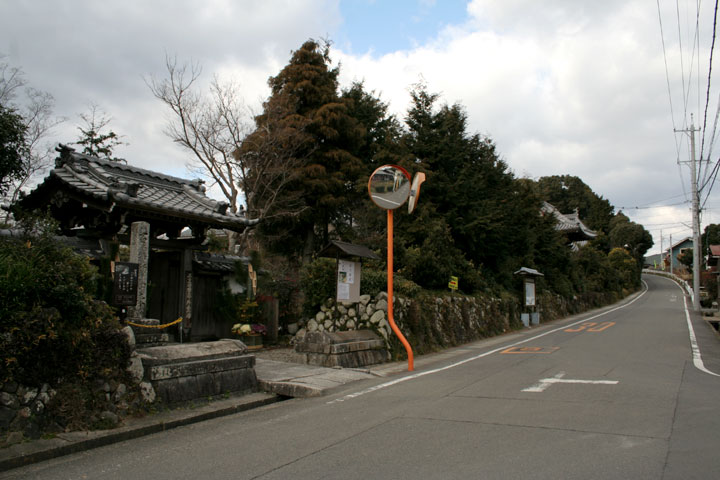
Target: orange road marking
point(590, 327)
point(601, 327)
point(530, 350)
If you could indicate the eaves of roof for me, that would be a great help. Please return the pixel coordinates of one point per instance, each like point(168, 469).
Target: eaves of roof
point(113, 185)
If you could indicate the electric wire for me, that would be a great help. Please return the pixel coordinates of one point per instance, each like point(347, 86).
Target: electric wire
point(714, 130)
point(682, 62)
point(707, 95)
point(667, 80)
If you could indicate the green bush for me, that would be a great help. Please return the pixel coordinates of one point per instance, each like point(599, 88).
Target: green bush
point(626, 268)
point(51, 328)
point(317, 283)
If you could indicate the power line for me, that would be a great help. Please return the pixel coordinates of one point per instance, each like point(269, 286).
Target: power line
point(653, 206)
point(682, 62)
point(667, 79)
point(707, 96)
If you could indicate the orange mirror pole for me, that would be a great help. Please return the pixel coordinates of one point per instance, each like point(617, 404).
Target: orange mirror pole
point(391, 317)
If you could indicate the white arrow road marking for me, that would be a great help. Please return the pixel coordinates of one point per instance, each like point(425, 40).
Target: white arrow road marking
point(543, 384)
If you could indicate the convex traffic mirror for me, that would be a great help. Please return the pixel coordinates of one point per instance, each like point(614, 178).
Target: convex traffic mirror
point(389, 186)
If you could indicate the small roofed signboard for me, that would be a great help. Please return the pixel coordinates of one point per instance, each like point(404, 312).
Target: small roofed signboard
point(125, 285)
point(348, 282)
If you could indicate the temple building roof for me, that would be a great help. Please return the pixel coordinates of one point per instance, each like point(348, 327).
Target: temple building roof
point(570, 224)
point(104, 195)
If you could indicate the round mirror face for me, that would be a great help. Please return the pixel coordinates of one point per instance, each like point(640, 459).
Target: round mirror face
point(389, 186)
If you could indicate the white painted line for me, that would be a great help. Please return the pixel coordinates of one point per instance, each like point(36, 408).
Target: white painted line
point(543, 384)
point(590, 382)
point(476, 357)
point(383, 199)
point(697, 358)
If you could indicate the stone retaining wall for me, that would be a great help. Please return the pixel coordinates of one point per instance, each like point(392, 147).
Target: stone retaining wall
point(431, 323)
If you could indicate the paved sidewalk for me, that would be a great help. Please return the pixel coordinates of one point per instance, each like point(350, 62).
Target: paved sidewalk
point(276, 380)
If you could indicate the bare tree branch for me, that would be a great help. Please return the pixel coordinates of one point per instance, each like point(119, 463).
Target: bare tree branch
point(258, 161)
point(200, 125)
point(36, 110)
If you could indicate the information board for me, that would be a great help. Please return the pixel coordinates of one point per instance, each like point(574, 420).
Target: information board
point(348, 281)
point(125, 284)
point(529, 292)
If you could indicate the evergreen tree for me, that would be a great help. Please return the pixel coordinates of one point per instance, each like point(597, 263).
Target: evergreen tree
point(13, 147)
point(568, 193)
point(629, 235)
point(306, 93)
point(93, 139)
point(379, 145)
point(494, 220)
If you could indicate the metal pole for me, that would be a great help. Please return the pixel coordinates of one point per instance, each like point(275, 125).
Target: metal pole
point(391, 319)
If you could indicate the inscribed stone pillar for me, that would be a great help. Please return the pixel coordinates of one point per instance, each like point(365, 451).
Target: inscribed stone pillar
point(140, 254)
point(188, 293)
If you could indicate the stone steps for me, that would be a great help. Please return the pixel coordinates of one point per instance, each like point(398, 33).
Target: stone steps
point(350, 349)
point(184, 372)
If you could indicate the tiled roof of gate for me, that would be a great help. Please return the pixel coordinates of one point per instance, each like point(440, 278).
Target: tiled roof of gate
point(116, 184)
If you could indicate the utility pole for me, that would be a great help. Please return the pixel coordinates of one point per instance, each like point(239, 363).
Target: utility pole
point(695, 216)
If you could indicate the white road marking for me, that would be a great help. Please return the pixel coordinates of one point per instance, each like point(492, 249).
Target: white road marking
point(543, 384)
point(476, 357)
point(697, 358)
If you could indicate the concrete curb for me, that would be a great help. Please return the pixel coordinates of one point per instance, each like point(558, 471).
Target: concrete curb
point(73, 442)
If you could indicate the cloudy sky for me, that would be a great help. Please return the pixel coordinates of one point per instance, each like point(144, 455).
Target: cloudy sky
point(579, 87)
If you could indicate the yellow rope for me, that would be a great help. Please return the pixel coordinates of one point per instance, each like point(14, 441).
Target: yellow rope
point(155, 326)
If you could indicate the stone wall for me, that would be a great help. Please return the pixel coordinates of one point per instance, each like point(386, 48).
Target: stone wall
point(431, 323)
point(26, 411)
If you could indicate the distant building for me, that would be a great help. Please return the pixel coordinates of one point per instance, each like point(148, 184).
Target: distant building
point(670, 256)
point(654, 261)
point(713, 258)
point(577, 233)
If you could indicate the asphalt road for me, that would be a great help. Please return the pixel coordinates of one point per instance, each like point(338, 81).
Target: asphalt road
point(611, 395)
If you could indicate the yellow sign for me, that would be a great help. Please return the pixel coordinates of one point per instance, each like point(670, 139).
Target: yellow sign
point(453, 285)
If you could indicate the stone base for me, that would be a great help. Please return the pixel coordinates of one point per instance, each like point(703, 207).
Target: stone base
point(148, 336)
point(180, 373)
point(351, 349)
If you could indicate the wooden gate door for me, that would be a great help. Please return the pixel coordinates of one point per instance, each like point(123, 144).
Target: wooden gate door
point(165, 287)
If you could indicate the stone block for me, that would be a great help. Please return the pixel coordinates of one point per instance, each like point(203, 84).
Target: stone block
point(200, 367)
point(6, 417)
point(349, 349)
point(180, 373)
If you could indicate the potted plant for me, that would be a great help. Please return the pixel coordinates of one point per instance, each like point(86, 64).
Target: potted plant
point(251, 334)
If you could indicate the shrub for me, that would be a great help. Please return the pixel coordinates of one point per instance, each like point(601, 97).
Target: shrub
point(51, 329)
point(317, 283)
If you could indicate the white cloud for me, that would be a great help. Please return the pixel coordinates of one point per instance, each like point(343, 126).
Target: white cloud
point(574, 88)
point(562, 87)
